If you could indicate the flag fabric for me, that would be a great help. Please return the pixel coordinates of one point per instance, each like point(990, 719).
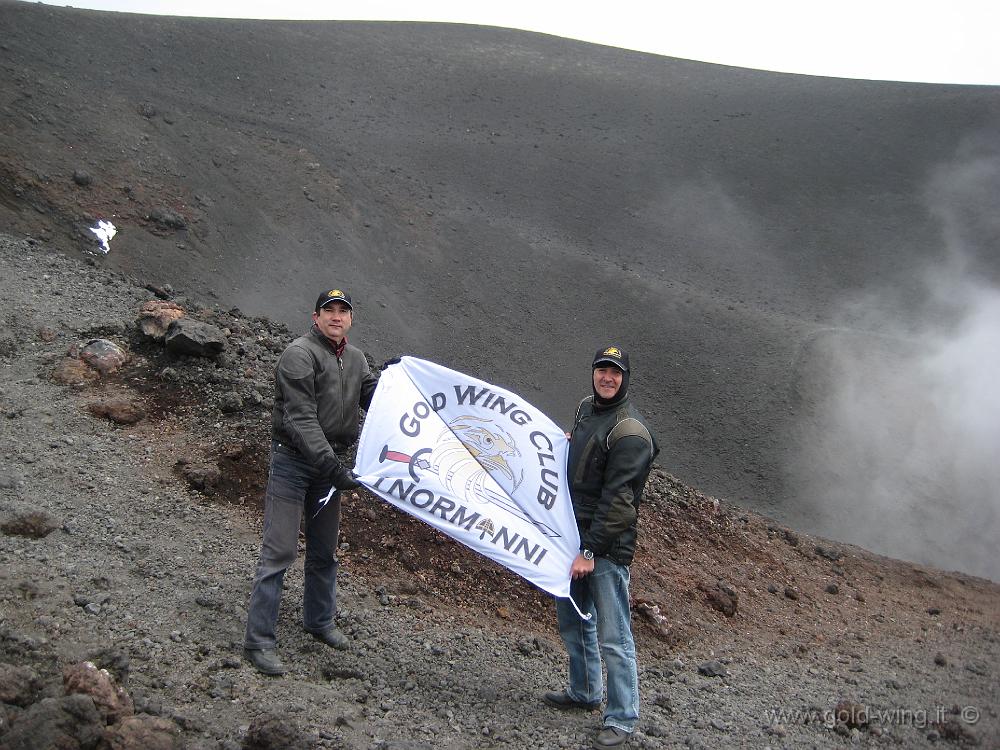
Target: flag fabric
point(105, 231)
point(476, 462)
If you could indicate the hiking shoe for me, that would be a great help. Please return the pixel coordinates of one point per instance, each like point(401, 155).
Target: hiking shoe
point(265, 660)
point(611, 737)
point(332, 637)
point(561, 699)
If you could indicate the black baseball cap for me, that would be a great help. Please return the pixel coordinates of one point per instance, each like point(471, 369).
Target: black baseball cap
point(612, 355)
point(333, 295)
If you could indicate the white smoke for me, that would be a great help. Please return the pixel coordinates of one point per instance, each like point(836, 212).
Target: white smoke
point(898, 448)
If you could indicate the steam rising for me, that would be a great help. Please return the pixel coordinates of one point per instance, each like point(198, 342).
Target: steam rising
point(898, 446)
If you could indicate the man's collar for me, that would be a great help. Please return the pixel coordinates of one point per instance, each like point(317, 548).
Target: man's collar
point(337, 349)
point(601, 404)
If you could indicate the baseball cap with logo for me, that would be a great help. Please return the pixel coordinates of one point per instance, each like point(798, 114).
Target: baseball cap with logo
point(611, 355)
point(333, 295)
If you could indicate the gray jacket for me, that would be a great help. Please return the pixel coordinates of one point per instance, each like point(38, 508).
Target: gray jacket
point(317, 395)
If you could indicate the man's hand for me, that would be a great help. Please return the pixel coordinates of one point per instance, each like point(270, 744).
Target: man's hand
point(581, 567)
point(343, 479)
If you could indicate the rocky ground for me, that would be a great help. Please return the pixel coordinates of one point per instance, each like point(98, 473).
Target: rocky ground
point(130, 511)
point(129, 504)
point(735, 209)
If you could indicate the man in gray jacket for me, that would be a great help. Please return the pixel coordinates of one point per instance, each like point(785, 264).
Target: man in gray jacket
point(320, 383)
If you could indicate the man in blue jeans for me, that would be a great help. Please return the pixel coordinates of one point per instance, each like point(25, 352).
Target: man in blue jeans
point(320, 383)
point(610, 455)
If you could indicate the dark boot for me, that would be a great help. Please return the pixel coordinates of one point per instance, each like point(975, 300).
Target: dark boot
point(333, 638)
point(611, 737)
point(265, 660)
point(561, 699)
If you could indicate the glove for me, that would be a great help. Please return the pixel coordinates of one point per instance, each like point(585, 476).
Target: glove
point(393, 361)
point(344, 479)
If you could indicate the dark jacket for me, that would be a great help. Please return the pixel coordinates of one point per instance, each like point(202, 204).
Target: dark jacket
point(317, 395)
point(610, 455)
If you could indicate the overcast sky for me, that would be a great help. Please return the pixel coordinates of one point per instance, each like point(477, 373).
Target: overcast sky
point(946, 41)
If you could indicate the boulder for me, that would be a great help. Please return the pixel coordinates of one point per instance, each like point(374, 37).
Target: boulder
point(118, 410)
point(18, 685)
point(34, 524)
point(271, 732)
point(231, 402)
point(68, 723)
point(167, 217)
point(203, 478)
point(73, 371)
point(143, 732)
point(156, 316)
point(111, 701)
point(115, 660)
point(197, 339)
point(829, 553)
point(722, 597)
point(655, 618)
point(713, 668)
point(103, 355)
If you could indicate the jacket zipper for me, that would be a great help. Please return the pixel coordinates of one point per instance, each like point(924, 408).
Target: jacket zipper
point(343, 387)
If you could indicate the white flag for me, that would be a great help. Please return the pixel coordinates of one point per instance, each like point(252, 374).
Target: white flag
point(105, 231)
point(476, 462)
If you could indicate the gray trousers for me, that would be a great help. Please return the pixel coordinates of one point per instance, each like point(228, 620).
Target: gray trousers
point(294, 490)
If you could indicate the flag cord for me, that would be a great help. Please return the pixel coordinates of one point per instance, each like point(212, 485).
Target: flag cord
point(325, 500)
point(587, 616)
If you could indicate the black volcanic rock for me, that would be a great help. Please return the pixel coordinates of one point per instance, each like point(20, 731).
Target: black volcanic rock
point(186, 336)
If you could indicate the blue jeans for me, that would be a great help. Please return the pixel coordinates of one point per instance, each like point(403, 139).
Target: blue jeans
point(603, 593)
point(294, 487)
